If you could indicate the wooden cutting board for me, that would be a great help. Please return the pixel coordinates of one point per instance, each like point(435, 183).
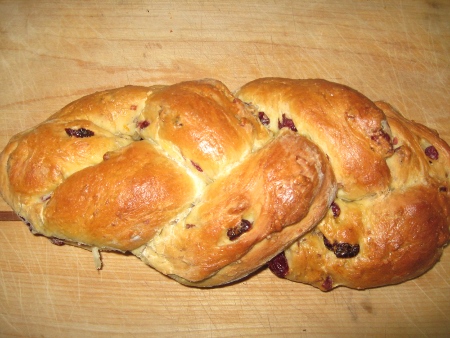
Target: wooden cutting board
point(53, 52)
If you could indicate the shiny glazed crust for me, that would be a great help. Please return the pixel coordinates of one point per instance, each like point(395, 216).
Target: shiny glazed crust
point(390, 219)
point(183, 176)
point(207, 186)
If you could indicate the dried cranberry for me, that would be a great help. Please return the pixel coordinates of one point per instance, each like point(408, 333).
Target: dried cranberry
point(142, 124)
point(432, 152)
point(386, 136)
point(57, 241)
point(80, 133)
point(335, 209)
point(346, 250)
point(264, 118)
point(381, 134)
point(197, 166)
point(327, 284)
point(342, 250)
point(239, 229)
point(286, 122)
point(443, 189)
point(279, 265)
point(327, 243)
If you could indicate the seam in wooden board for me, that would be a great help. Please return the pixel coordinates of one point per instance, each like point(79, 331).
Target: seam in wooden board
point(9, 216)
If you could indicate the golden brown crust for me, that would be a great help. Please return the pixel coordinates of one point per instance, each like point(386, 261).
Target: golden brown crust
point(122, 202)
point(400, 232)
point(400, 236)
point(115, 110)
point(172, 174)
point(348, 127)
point(204, 123)
point(207, 186)
point(280, 190)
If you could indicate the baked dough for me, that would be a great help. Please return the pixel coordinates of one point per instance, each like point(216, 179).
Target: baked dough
point(183, 176)
point(390, 219)
point(207, 186)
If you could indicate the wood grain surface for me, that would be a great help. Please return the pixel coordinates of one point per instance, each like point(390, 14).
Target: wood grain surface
point(53, 52)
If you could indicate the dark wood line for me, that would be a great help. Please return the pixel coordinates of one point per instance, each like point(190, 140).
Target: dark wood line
point(8, 216)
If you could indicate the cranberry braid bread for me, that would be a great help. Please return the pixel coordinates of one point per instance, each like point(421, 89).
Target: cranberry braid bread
point(206, 186)
point(390, 219)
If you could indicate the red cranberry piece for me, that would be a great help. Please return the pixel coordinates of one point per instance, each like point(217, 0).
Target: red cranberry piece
point(342, 250)
point(142, 124)
point(346, 250)
point(443, 189)
point(264, 118)
point(80, 133)
point(279, 265)
point(196, 166)
point(239, 229)
point(327, 284)
point(432, 152)
point(381, 134)
point(327, 243)
point(335, 209)
point(286, 122)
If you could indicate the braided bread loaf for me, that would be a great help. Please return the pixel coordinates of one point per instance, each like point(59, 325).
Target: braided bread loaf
point(206, 186)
